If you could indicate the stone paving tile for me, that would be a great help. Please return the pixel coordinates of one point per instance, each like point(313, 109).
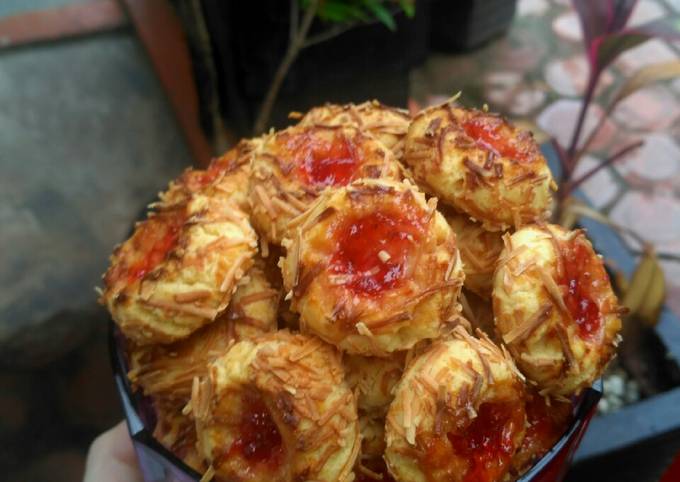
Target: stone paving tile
point(654, 216)
point(658, 160)
point(569, 77)
point(651, 52)
point(602, 188)
point(532, 7)
point(557, 118)
point(646, 11)
point(568, 27)
point(654, 108)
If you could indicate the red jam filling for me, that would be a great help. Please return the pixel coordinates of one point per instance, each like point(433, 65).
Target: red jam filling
point(545, 425)
point(488, 134)
point(201, 179)
point(154, 242)
point(582, 271)
point(322, 163)
point(259, 441)
point(373, 250)
point(486, 445)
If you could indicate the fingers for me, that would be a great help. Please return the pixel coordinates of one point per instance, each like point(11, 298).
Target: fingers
point(112, 458)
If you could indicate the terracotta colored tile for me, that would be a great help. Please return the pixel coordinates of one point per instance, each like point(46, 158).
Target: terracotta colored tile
point(601, 188)
point(60, 22)
point(651, 109)
point(532, 7)
point(655, 217)
point(570, 76)
point(657, 160)
point(559, 119)
point(650, 52)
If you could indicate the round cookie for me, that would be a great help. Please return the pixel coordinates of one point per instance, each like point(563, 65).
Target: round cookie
point(479, 250)
point(166, 372)
point(226, 176)
point(179, 269)
point(387, 124)
point(373, 268)
point(457, 415)
point(373, 380)
point(277, 409)
point(293, 166)
point(555, 309)
point(481, 165)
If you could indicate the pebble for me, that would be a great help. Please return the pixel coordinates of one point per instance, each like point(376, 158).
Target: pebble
point(619, 390)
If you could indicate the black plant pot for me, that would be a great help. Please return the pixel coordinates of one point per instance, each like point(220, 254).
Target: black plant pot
point(249, 40)
point(465, 24)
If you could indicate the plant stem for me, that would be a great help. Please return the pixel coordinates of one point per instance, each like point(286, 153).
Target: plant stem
point(328, 34)
point(570, 185)
point(587, 99)
point(294, 48)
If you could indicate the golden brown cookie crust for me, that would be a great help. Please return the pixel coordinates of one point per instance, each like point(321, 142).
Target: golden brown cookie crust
point(351, 291)
point(479, 250)
point(554, 346)
point(387, 124)
point(179, 269)
point(293, 166)
point(299, 380)
point(443, 393)
point(481, 165)
point(166, 372)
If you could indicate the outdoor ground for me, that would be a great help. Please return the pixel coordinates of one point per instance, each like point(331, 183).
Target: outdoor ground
point(87, 138)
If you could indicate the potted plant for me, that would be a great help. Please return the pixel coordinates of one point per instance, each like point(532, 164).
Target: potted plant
point(650, 351)
point(258, 61)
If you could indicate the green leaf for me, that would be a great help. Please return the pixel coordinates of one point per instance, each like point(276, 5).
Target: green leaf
point(408, 6)
point(381, 13)
point(340, 11)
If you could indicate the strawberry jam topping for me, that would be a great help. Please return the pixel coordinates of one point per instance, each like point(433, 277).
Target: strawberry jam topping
point(373, 250)
point(583, 271)
point(324, 163)
point(259, 441)
point(545, 425)
point(488, 133)
point(153, 242)
point(481, 451)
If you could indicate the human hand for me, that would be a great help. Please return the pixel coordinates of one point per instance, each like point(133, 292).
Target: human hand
point(112, 458)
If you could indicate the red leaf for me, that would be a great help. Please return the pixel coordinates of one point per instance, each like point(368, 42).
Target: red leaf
point(600, 17)
point(606, 49)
